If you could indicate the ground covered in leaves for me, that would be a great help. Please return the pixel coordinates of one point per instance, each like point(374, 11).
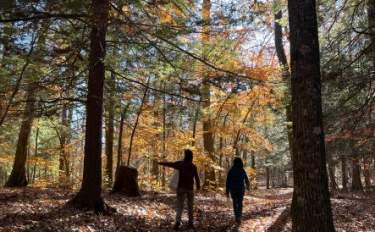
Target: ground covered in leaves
point(39, 209)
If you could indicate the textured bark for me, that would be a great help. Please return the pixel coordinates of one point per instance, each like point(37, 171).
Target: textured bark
point(126, 181)
point(89, 196)
point(109, 128)
point(17, 177)
point(208, 136)
point(356, 177)
point(311, 206)
point(280, 52)
point(344, 173)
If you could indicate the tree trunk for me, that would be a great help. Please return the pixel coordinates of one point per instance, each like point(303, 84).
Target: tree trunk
point(64, 159)
point(371, 26)
point(109, 130)
point(126, 181)
point(89, 196)
point(163, 181)
point(280, 52)
point(208, 137)
point(121, 130)
point(17, 177)
point(344, 173)
point(267, 177)
point(311, 206)
point(332, 173)
point(366, 171)
point(356, 177)
point(136, 122)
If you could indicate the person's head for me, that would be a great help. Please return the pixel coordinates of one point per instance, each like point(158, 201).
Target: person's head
point(237, 163)
point(188, 155)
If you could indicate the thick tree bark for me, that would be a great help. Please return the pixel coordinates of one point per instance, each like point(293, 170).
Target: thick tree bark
point(126, 181)
point(344, 173)
point(17, 177)
point(89, 197)
point(280, 52)
point(208, 136)
point(311, 206)
point(356, 177)
point(109, 130)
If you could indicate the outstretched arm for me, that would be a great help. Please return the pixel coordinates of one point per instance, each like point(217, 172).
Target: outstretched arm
point(169, 164)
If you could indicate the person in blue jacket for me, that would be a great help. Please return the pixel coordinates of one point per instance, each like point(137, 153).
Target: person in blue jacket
point(235, 186)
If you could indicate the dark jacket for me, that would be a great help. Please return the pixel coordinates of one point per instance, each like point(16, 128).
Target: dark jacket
point(188, 172)
point(236, 180)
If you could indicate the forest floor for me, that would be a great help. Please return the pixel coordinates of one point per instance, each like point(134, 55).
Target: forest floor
point(43, 209)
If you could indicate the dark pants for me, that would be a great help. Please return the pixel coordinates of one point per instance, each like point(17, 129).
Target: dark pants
point(181, 195)
point(237, 198)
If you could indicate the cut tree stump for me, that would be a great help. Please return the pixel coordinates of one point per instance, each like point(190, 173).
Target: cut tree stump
point(126, 181)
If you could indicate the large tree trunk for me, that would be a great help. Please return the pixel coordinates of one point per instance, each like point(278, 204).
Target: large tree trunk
point(17, 177)
point(280, 52)
point(89, 196)
point(109, 130)
point(311, 206)
point(208, 137)
point(344, 173)
point(356, 177)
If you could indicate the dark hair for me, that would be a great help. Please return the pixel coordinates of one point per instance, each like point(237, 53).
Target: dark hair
point(188, 155)
point(237, 163)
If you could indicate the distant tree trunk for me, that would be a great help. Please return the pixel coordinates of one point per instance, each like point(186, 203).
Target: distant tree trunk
point(17, 177)
point(156, 124)
point(366, 171)
point(89, 196)
point(267, 177)
point(136, 122)
point(109, 130)
point(311, 206)
point(121, 130)
point(332, 173)
point(371, 26)
point(164, 135)
point(344, 173)
point(64, 159)
point(253, 161)
point(356, 177)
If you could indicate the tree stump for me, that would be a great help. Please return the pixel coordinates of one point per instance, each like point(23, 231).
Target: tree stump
point(126, 181)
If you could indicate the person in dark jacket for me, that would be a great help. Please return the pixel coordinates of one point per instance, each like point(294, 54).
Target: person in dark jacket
point(235, 185)
point(185, 188)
